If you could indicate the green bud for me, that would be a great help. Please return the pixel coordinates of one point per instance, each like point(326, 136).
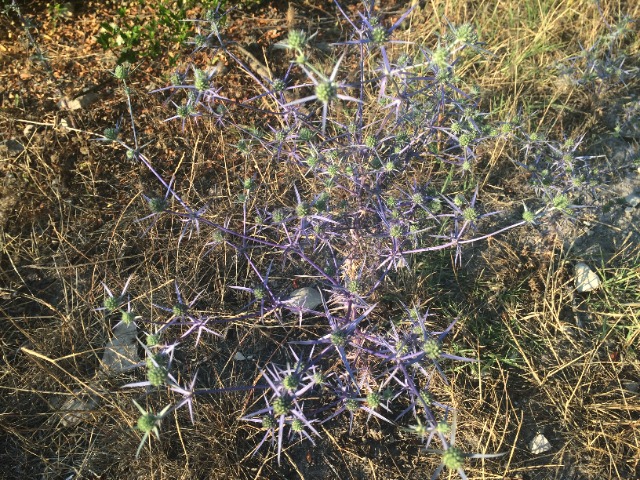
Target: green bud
point(111, 134)
point(305, 134)
point(296, 40)
point(395, 231)
point(156, 374)
point(183, 111)
point(302, 210)
point(291, 382)
point(374, 399)
point(339, 338)
point(312, 161)
point(297, 425)
point(278, 85)
point(278, 215)
point(453, 458)
point(180, 310)
point(112, 303)
point(378, 35)
point(439, 58)
point(370, 141)
point(147, 422)
point(157, 204)
point(326, 92)
point(466, 34)
point(443, 428)
point(282, 406)
point(268, 422)
point(465, 139)
point(469, 214)
point(121, 72)
point(128, 317)
point(200, 80)
point(389, 166)
point(528, 216)
point(318, 377)
point(352, 404)
point(432, 348)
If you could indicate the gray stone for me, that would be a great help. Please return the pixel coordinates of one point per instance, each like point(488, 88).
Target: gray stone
point(14, 146)
point(77, 408)
point(306, 298)
point(632, 199)
point(79, 103)
point(121, 352)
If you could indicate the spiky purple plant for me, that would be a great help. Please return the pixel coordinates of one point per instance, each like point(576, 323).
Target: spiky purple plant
point(388, 177)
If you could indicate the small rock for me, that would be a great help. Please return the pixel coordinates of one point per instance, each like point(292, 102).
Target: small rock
point(539, 444)
point(67, 104)
point(239, 357)
point(633, 200)
point(631, 386)
point(82, 102)
point(77, 409)
point(306, 298)
point(14, 146)
point(585, 278)
point(121, 352)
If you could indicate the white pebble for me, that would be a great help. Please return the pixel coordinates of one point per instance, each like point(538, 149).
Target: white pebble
point(539, 444)
point(306, 298)
point(585, 278)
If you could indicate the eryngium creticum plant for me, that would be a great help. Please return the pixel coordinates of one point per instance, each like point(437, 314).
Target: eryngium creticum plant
point(379, 150)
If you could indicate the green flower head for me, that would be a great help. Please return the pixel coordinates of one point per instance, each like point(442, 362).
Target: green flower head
point(453, 458)
point(147, 422)
point(326, 92)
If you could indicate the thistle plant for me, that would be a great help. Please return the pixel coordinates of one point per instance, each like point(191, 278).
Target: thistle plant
point(452, 457)
point(348, 400)
point(149, 423)
point(386, 177)
point(182, 314)
point(285, 405)
point(113, 303)
point(373, 35)
point(326, 89)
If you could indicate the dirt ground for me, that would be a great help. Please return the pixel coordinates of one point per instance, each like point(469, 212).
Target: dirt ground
point(66, 207)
